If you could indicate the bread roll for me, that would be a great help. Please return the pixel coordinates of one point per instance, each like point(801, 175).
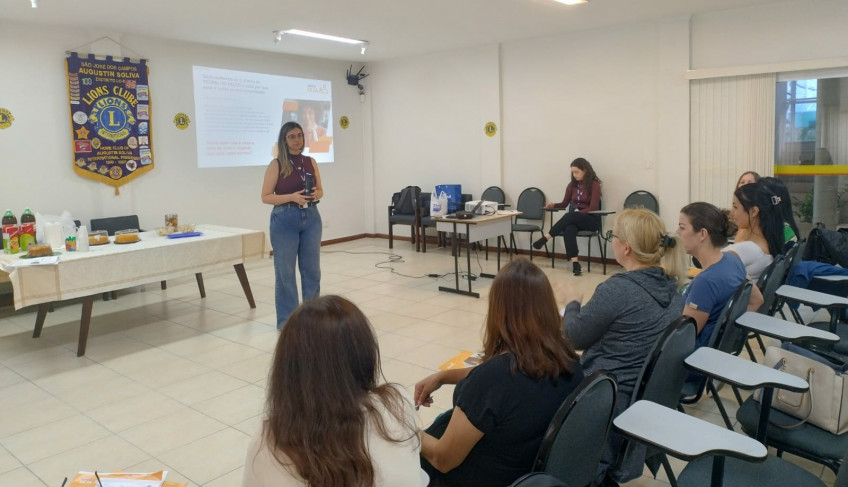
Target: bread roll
point(39, 250)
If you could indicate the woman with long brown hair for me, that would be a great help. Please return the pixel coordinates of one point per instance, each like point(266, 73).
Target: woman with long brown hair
point(329, 421)
point(582, 195)
point(502, 407)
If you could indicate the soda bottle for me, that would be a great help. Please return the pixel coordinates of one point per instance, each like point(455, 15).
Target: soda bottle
point(27, 235)
point(10, 233)
point(9, 218)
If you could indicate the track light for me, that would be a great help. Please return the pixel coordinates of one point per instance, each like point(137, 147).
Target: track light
point(34, 3)
point(278, 36)
point(364, 48)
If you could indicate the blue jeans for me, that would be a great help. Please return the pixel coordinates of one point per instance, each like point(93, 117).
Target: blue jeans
point(295, 237)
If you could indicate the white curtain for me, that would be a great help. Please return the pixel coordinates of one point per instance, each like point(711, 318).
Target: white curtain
point(731, 131)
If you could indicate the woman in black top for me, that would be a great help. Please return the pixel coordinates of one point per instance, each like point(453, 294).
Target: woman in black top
point(502, 407)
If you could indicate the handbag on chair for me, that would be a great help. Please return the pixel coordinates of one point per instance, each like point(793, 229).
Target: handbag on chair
point(825, 404)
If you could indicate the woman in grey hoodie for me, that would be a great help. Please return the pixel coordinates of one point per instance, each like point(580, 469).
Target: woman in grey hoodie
point(627, 313)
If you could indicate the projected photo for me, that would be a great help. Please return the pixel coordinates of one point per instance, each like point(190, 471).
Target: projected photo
point(238, 116)
point(314, 117)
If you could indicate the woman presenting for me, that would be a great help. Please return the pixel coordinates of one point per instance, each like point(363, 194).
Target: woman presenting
point(582, 195)
point(293, 185)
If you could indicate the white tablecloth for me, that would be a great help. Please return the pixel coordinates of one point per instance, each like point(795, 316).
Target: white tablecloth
point(109, 267)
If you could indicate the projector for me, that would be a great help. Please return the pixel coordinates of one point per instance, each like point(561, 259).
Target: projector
point(486, 207)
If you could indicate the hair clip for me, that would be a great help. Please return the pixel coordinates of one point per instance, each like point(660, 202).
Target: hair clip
point(668, 242)
point(775, 200)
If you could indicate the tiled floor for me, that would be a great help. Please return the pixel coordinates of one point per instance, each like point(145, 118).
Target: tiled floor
point(172, 381)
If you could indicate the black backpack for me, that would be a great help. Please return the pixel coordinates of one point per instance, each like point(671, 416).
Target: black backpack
point(406, 200)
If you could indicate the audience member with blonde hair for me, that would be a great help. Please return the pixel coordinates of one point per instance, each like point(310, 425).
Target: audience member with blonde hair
point(627, 313)
point(502, 407)
point(330, 422)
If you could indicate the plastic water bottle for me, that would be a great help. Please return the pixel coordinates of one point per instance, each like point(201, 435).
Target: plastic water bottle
point(82, 239)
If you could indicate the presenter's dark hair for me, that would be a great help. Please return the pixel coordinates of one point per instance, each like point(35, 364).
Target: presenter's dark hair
point(323, 390)
point(704, 215)
point(283, 150)
point(523, 318)
point(769, 219)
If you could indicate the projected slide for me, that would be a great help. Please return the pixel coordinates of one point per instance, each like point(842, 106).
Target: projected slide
point(239, 115)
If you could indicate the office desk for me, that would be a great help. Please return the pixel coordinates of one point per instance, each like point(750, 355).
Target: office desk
point(478, 228)
point(111, 267)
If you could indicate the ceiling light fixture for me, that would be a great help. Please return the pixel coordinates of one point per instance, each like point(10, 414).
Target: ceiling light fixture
point(572, 2)
point(34, 3)
point(278, 36)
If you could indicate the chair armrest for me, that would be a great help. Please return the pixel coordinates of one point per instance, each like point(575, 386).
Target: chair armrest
point(600, 212)
point(683, 436)
point(811, 298)
point(741, 373)
point(553, 209)
point(781, 329)
point(831, 278)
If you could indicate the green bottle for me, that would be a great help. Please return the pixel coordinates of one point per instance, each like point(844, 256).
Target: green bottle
point(27, 236)
point(10, 233)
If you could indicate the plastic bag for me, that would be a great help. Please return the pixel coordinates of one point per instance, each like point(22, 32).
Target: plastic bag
point(454, 194)
point(439, 204)
point(69, 229)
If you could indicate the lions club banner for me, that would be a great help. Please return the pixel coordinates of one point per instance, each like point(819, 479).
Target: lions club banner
point(110, 118)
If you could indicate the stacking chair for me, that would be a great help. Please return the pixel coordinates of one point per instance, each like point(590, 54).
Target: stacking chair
point(804, 440)
point(602, 242)
point(771, 471)
point(538, 479)
point(771, 279)
point(727, 338)
point(642, 199)
point(496, 194)
point(531, 202)
point(411, 220)
point(660, 381)
point(586, 414)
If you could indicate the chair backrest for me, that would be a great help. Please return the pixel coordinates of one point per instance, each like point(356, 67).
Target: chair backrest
point(771, 279)
point(841, 476)
point(574, 442)
point(661, 381)
point(793, 255)
point(530, 204)
point(642, 199)
point(727, 337)
point(663, 373)
point(494, 193)
point(115, 223)
point(537, 479)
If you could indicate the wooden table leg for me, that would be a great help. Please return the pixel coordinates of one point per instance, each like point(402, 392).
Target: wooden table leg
point(85, 321)
point(200, 286)
point(39, 319)
point(245, 285)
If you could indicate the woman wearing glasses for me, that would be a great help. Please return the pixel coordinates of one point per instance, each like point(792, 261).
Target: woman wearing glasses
point(293, 185)
point(627, 313)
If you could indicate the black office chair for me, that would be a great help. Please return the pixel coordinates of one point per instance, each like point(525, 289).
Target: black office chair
point(538, 479)
point(728, 338)
point(405, 219)
point(531, 202)
point(496, 194)
point(585, 414)
point(602, 242)
point(642, 199)
point(660, 380)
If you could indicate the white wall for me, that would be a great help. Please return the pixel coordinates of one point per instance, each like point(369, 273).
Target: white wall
point(36, 158)
point(775, 33)
point(428, 118)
